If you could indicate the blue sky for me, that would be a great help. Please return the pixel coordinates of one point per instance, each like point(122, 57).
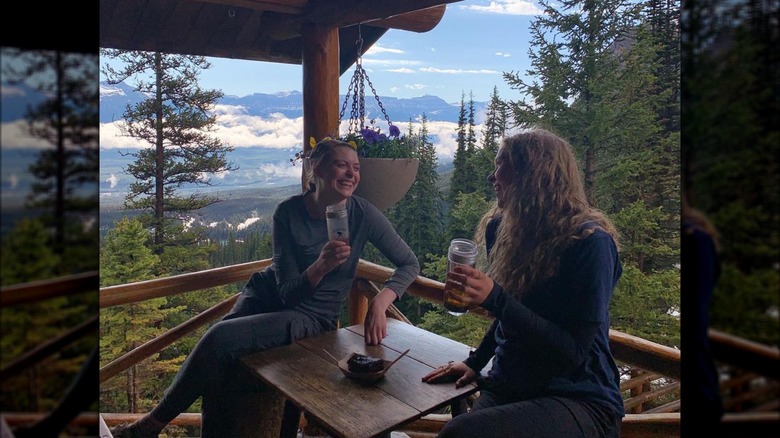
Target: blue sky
point(468, 51)
point(475, 42)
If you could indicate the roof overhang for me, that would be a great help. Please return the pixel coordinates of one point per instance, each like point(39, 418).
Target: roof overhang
point(260, 30)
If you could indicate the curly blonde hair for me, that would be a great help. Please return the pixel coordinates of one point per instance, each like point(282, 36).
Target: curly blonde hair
point(545, 211)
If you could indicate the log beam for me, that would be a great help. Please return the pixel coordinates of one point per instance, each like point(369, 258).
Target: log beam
point(341, 13)
point(320, 63)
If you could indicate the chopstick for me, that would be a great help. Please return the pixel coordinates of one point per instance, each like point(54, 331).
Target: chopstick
point(396, 359)
point(331, 356)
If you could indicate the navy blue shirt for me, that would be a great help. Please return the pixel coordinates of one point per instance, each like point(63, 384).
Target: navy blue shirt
point(555, 341)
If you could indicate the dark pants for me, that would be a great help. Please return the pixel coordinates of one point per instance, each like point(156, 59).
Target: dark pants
point(257, 322)
point(553, 417)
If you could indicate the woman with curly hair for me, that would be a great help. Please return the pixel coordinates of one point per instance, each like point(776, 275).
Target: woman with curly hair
point(299, 296)
point(552, 267)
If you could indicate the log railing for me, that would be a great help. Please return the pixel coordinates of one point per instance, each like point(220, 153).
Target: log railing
point(658, 366)
point(36, 291)
point(626, 348)
point(46, 289)
point(43, 290)
point(658, 361)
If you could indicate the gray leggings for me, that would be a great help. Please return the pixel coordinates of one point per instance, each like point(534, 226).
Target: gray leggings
point(212, 369)
point(553, 417)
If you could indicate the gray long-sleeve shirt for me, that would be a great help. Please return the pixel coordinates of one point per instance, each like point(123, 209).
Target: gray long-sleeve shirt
point(298, 240)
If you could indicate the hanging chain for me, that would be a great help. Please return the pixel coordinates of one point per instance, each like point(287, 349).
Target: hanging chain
point(376, 96)
point(356, 92)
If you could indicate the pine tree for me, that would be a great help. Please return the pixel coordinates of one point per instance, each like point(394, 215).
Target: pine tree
point(176, 122)
point(460, 174)
point(465, 177)
point(573, 50)
point(418, 217)
point(27, 256)
point(125, 258)
point(473, 181)
point(731, 148)
point(66, 185)
point(493, 131)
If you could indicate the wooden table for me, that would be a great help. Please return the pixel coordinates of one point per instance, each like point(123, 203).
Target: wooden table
point(306, 376)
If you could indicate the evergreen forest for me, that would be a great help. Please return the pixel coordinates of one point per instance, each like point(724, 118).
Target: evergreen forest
point(54, 232)
point(605, 75)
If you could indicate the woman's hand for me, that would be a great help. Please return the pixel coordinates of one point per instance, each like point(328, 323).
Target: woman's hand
point(333, 253)
point(375, 325)
point(476, 284)
point(457, 371)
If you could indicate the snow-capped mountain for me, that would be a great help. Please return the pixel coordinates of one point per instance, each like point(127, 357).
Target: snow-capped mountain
point(114, 98)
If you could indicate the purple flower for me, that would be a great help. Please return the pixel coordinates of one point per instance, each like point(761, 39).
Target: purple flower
point(394, 131)
point(382, 138)
point(369, 135)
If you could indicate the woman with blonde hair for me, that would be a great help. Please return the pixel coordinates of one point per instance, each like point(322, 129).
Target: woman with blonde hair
point(552, 267)
point(300, 295)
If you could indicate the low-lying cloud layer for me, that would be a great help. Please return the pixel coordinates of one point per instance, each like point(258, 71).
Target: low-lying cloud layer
point(239, 129)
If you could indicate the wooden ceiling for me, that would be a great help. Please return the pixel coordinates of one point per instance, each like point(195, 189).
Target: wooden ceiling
point(260, 30)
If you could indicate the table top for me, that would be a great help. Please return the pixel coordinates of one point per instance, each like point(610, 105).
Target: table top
point(309, 378)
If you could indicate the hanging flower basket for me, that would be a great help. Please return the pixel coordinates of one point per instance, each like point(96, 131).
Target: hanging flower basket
point(385, 181)
point(388, 163)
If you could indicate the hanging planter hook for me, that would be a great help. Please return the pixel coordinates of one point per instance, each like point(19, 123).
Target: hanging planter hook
point(356, 93)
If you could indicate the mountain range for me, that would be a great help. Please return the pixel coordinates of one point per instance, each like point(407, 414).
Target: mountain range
point(264, 175)
point(114, 98)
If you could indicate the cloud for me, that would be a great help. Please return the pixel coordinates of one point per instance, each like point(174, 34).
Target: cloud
point(457, 71)
point(276, 170)
point(205, 176)
point(415, 86)
point(506, 7)
point(111, 137)
point(376, 49)
point(400, 70)
point(7, 90)
point(447, 133)
point(394, 89)
point(14, 135)
point(276, 131)
point(13, 181)
point(112, 181)
point(239, 129)
point(234, 128)
point(504, 54)
point(390, 62)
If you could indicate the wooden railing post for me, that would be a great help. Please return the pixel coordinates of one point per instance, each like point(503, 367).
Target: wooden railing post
point(636, 390)
point(357, 306)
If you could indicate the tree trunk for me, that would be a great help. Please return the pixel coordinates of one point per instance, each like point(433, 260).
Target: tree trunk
point(159, 159)
point(59, 216)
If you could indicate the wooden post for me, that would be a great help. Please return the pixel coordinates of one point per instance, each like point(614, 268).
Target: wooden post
point(320, 62)
point(636, 390)
point(358, 306)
